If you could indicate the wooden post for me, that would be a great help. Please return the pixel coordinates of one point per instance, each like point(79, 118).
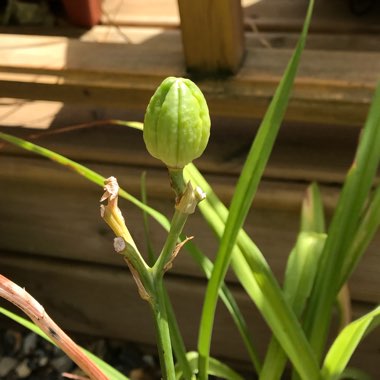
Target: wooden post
point(212, 35)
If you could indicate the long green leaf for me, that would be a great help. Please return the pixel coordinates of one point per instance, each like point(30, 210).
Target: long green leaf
point(312, 213)
point(346, 343)
point(300, 273)
point(216, 368)
point(231, 305)
point(342, 231)
point(240, 204)
point(369, 224)
point(255, 276)
point(351, 373)
point(111, 372)
point(177, 341)
point(204, 263)
point(84, 172)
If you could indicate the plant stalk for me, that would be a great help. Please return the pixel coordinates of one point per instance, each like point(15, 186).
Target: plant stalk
point(163, 332)
point(23, 300)
point(186, 201)
point(168, 251)
point(177, 341)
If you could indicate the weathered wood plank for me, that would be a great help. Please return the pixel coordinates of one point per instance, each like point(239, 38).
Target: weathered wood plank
point(332, 87)
point(103, 301)
point(31, 115)
point(328, 16)
point(135, 12)
point(49, 211)
point(253, 38)
point(214, 44)
point(302, 153)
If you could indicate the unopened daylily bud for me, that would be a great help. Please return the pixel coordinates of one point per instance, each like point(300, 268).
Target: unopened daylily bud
point(177, 123)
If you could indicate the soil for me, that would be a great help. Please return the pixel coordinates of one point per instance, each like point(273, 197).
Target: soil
point(24, 355)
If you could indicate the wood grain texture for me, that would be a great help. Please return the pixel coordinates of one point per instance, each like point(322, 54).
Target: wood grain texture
point(302, 153)
point(332, 87)
point(267, 15)
point(52, 212)
point(212, 35)
point(278, 39)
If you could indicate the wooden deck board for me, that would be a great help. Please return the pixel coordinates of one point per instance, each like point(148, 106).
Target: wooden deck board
point(254, 39)
point(331, 88)
point(302, 153)
point(267, 15)
point(52, 212)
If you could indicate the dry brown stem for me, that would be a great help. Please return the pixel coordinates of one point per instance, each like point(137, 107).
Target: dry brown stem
point(24, 301)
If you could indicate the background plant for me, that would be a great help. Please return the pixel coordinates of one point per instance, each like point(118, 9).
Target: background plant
point(299, 314)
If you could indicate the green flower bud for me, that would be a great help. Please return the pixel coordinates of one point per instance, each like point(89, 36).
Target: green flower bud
point(177, 122)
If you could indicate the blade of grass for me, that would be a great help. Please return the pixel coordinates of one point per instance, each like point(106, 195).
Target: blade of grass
point(300, 273)
point(111, 372)
point(346, 343)
point(177, 342)
point(344, 307)
point(257, 279)
point(241, 202)
point(217, 368)
point(355, 374)
point(343, 228)
point(312, 213)
point(231, 305)
point(204, 263)
point(368, 226)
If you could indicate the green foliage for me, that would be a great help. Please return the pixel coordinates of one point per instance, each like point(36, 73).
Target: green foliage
point(291, 336)
point(344, 229)
point(318, 266)
point(346, 343)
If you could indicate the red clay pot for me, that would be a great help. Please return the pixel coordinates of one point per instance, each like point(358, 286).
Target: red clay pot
point(85, 13)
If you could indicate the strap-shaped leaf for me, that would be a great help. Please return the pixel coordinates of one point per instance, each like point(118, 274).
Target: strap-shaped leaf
point(217, 368)
point(343, 229)
point(300, 273)
point(203, 261)
point(244, 193)
point(254, 274)
point(369, 225)
point(346, 343)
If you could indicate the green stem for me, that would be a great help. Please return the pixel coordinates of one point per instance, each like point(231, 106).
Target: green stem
point(163, 332)
point(177, 224)
point(138, 267)
point(177, 181)
point(160, 297)
point(177, 341)
point(186, 201)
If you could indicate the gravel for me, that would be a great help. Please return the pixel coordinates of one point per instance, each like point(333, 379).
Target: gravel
point(24, 355)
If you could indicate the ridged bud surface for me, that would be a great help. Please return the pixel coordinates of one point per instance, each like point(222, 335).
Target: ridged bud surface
point(177, 122)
